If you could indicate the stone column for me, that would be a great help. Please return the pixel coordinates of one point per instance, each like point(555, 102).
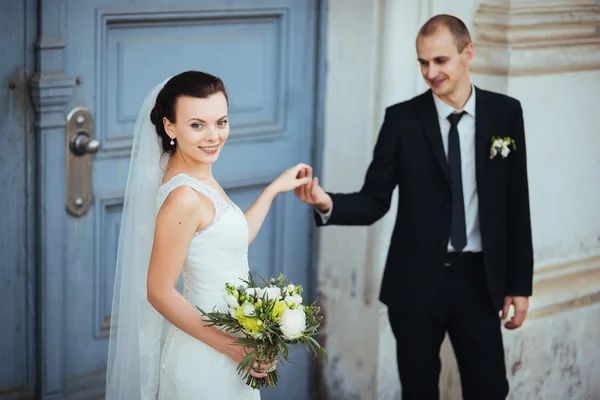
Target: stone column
point(353, 39)
point(525, 37)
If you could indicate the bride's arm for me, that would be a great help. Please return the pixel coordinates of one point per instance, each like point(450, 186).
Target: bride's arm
point(181, 215)
point(256, 214)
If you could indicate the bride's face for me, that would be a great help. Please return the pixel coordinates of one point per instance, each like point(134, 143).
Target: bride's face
point(202, 127)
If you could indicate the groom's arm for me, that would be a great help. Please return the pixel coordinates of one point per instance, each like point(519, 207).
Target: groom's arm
point(373, 200)
point(520, 248)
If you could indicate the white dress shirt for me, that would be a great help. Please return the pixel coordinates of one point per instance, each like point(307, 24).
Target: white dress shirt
point(466, 133)
point(466, 137)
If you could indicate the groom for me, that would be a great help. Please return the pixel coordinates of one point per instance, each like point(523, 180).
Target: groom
point(461, 249)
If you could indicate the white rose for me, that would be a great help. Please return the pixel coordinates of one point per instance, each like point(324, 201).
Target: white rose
point(292, 323)
point(295, 299)
point(498, 143)
point(291, 288)
point(231, 300)
point(249, 309)
point(232, 312)
point(273, 293)
point(251, 291)
point(505, 150)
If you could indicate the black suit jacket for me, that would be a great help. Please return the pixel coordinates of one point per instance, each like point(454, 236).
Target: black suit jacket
point(409, 154)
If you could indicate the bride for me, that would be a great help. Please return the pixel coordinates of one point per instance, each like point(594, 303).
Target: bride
point(177, 220)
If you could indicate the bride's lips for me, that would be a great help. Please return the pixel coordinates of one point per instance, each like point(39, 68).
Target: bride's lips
point(210, 150)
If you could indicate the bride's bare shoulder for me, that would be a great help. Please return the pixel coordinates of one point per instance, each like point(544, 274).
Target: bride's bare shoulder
point(185, 203)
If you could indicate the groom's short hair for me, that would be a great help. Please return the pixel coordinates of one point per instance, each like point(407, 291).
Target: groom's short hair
point(457, 28)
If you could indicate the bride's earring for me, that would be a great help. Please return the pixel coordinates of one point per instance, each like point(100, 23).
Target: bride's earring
point(172, 142)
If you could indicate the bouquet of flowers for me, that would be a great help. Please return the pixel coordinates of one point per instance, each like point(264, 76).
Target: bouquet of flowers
point(271, 316)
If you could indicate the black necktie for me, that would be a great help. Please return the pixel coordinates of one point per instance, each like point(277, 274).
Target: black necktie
point(458, 232)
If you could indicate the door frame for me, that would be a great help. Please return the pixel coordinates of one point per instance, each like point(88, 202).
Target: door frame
point(50, 91)
point(23, 69)
point(318, 389)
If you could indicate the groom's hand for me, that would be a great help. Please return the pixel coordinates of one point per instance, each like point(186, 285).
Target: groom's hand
point(520, 305)
point(311, 193)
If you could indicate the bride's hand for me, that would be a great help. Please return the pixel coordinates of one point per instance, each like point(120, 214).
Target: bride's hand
point(292, 178)
point(258, 370)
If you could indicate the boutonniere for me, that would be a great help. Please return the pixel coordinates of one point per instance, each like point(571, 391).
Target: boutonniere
point(502, 146)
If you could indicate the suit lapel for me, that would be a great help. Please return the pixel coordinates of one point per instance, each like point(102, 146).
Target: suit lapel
point(482, 134)
point(429, 119)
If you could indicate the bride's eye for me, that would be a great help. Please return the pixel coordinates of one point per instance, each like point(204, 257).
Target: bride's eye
point(223, 122)
point(196, 125)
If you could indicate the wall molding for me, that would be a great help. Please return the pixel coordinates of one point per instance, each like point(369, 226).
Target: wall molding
point(565, 287)
point(566, 268)
point(532, 38)
point(569, 305)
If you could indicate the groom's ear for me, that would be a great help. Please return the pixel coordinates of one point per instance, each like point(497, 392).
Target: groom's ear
point(469, 52)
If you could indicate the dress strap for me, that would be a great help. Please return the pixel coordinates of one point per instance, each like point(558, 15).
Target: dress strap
point(220, 204)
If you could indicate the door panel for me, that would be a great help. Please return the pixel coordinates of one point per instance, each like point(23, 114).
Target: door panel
point(265, 54)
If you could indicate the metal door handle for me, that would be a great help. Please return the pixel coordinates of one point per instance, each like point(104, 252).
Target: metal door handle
point(82, 143)
point(81, 146)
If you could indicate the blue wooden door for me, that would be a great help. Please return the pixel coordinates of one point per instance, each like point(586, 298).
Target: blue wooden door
point(265, 53)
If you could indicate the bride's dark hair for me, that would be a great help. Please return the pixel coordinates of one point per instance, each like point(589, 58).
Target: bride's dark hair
point(190, 83)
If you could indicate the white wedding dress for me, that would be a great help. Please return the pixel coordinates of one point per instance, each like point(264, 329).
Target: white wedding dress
point(190, 369)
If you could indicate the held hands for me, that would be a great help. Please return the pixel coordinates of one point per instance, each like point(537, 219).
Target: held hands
point(520, 305)
point(306, 187)
point(292, 178)
point(311, 193)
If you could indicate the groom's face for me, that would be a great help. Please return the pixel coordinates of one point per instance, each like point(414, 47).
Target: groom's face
point(443, 67)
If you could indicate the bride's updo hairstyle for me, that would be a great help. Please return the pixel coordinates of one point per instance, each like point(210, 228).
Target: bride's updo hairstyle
point(190, 83)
